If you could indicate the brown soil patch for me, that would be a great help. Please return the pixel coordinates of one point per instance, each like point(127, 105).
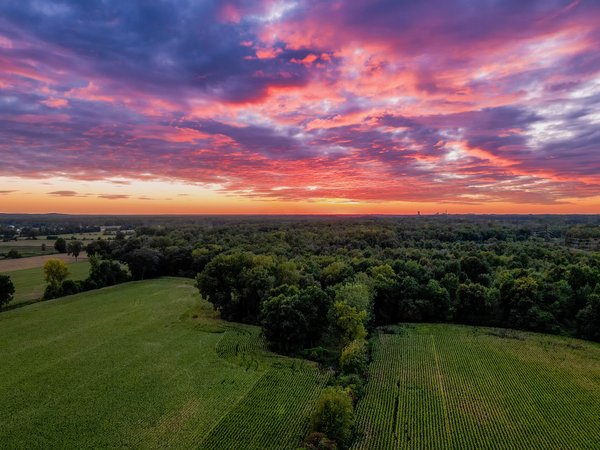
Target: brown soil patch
point(8, 265)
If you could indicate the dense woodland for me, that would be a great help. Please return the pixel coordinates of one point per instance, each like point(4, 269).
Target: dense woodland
point(479, 271)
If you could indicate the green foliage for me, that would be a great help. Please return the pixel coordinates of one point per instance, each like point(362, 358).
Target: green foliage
point(144, 263)
point(106, 273)
point(353, 384)
point(354, 357)
point(318, 441)
point(354, 294)
point(55, 272)
point(13, 254)
point(335, 273)
point(588, 319)
point(347, 323)
point(472, 304)
point(74, 248)
point(293, 319)
point(334, 416)
point(60, 245)
point(7, 290)
point(237, 283)
point(434, 302)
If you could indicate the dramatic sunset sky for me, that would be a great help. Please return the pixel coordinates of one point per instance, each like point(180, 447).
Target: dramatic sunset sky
point(267, 106)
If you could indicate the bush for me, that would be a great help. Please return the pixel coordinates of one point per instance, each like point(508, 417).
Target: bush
point(70, 287)
point(13, 254)
point(53, 291)
point(334, 416)
point(354, 357)
point(7, 290)
point(60, 245)
point(319, 441)
point(353, 384)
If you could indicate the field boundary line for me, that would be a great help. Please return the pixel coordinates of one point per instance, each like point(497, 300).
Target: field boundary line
point(441, 387)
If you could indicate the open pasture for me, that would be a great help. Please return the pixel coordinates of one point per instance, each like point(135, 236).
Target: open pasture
point(455, 387)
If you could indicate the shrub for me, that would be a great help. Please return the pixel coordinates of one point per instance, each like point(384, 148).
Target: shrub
point(334, 416)
point(53, 291)
point(7, 290)
point(70, 287)
point(354, 357)
point(319, 441)
point(13, 254)
point(353, 384)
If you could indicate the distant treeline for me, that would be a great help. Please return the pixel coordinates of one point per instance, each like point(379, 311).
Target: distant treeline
point(410, 269)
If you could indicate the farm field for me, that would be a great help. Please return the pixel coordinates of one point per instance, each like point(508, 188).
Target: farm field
point(9, 265)
point(33, 247)
point(30, 283)
point(146, 365)
point(458, 387)
point(28, 248)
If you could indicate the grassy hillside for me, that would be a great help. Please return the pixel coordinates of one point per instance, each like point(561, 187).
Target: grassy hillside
point(30, 283)
point(145, 365)
point(447, 386)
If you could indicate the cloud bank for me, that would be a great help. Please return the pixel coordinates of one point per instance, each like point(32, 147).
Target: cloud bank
point(448, 101)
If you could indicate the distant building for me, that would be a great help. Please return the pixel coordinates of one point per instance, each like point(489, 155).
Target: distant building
point(110, 229)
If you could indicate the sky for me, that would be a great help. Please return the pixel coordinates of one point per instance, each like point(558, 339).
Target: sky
point(316, 106)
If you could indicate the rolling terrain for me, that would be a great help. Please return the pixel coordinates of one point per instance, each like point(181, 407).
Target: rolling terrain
point(30, 284)
point(145, 365)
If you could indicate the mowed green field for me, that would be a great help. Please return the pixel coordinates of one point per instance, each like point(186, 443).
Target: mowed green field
point(455, 387)
point(30, 283)
point(146, 365)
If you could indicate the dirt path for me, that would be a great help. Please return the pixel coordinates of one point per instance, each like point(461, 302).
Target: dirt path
point(7, 265)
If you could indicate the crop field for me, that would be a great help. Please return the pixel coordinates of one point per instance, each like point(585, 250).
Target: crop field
point(446, 386)
point(145, 365)
point(30, 283)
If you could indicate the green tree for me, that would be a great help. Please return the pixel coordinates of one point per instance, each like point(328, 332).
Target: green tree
point(237, 283)
point(472, 306)
point(335, 273)
point(354, 294)
point(7, 290)
point(347, 323)
point(55, 272)
point(143, 263)
point(334, 416)
point(74, 248)
point(434, 303)
point(13, 254)
point(60, 245)
point(292, 318)
point(588, 319)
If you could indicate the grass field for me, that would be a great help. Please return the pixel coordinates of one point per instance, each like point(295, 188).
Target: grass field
point(445, 386)
point(145, 365)
point(30, 283)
